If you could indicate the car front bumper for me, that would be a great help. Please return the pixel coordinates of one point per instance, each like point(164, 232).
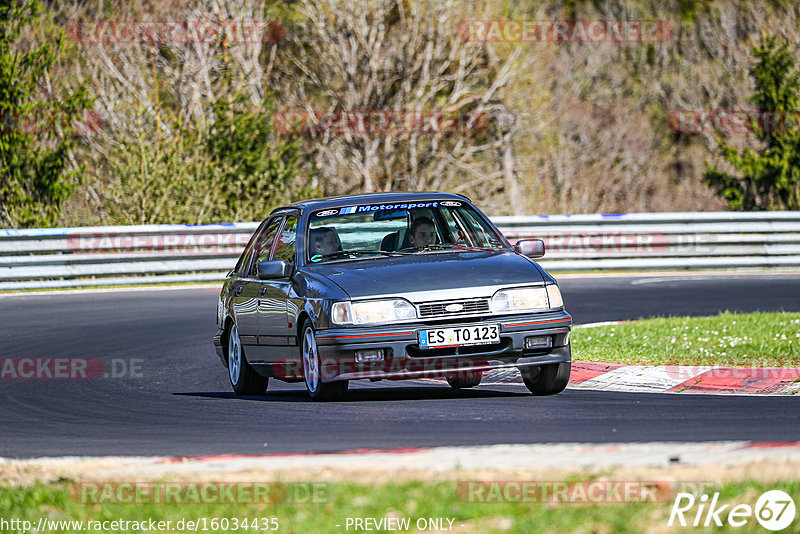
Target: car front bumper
point(403, 359)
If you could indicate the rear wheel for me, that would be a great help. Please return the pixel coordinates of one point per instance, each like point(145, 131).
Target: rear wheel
point(546, 379)
point(465, 380)
point(312, 370)
point(244, 379)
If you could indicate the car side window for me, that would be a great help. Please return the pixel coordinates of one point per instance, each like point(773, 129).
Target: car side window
point(287, 241)
point(454, 228)
point(264, 245)
point(244, 258)
point(480, 231)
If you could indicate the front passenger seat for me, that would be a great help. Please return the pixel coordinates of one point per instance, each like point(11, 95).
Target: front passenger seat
point(389, 241)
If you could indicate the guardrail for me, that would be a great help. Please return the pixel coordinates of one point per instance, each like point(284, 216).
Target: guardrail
point(110, 255)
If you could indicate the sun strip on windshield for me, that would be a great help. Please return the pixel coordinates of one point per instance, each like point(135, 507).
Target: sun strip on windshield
point(368, 208)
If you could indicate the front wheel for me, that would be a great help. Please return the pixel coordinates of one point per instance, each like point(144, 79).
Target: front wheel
point(546, 379)
point(313, 371)
point(244, 380)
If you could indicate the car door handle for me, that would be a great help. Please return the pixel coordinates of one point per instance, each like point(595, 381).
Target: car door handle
point(237, 291)
point(262, 291)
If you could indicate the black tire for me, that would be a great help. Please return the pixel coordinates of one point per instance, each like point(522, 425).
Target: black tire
point(465, 380)
point(312, 372)
point(547, 379)
point(244, 380)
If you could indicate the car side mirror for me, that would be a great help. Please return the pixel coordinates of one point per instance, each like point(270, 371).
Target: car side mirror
point(533, 248)
point(273, 270)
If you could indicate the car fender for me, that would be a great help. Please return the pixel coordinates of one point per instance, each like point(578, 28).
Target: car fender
point(318, 293)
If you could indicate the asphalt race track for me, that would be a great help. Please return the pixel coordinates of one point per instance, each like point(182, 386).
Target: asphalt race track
point(180, 402)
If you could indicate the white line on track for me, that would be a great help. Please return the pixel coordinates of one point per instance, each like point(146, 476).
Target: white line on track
point(109, 290)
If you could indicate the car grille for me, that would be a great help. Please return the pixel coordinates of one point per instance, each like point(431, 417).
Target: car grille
point(438, 309)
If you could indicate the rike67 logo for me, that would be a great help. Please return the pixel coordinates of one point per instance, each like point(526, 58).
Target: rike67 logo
point(774, 510)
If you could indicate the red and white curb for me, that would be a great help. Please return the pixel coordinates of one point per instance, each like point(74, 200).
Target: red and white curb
point(686, 379)
point(671, 378)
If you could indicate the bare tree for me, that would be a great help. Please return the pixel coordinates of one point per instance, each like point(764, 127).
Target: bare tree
point(394, 57)
point(153, 88)
point(544, 127)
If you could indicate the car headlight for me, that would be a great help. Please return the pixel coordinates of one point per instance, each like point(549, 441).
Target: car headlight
point(372, 311)
point(526, 299)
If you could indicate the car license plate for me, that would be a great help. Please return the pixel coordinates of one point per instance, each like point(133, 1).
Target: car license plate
point(479, 334)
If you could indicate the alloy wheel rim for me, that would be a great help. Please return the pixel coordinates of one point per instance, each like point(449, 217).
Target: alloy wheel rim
point(234, 356)
point(310, 360)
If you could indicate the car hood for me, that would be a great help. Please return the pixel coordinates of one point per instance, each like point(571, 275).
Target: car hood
point(431, 276)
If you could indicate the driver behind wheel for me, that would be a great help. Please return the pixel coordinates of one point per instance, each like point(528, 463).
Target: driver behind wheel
point(325, 241)
point(422, 232)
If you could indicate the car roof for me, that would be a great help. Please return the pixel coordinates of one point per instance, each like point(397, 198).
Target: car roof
point(370, 198)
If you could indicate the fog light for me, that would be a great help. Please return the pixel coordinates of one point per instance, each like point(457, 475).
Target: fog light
point(372, 355)
point(538, 342)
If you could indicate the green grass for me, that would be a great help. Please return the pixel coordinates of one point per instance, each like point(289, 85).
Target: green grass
point(413, 500)
point(728, 339)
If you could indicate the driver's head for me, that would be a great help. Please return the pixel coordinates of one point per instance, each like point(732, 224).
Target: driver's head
point(324, 241)
point(422, 232)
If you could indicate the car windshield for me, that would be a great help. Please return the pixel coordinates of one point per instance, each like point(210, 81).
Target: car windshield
point(374, 230)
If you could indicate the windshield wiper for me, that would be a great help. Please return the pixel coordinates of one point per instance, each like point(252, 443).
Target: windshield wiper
point(342, 253)
point(432, 246)
point(446, 246)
